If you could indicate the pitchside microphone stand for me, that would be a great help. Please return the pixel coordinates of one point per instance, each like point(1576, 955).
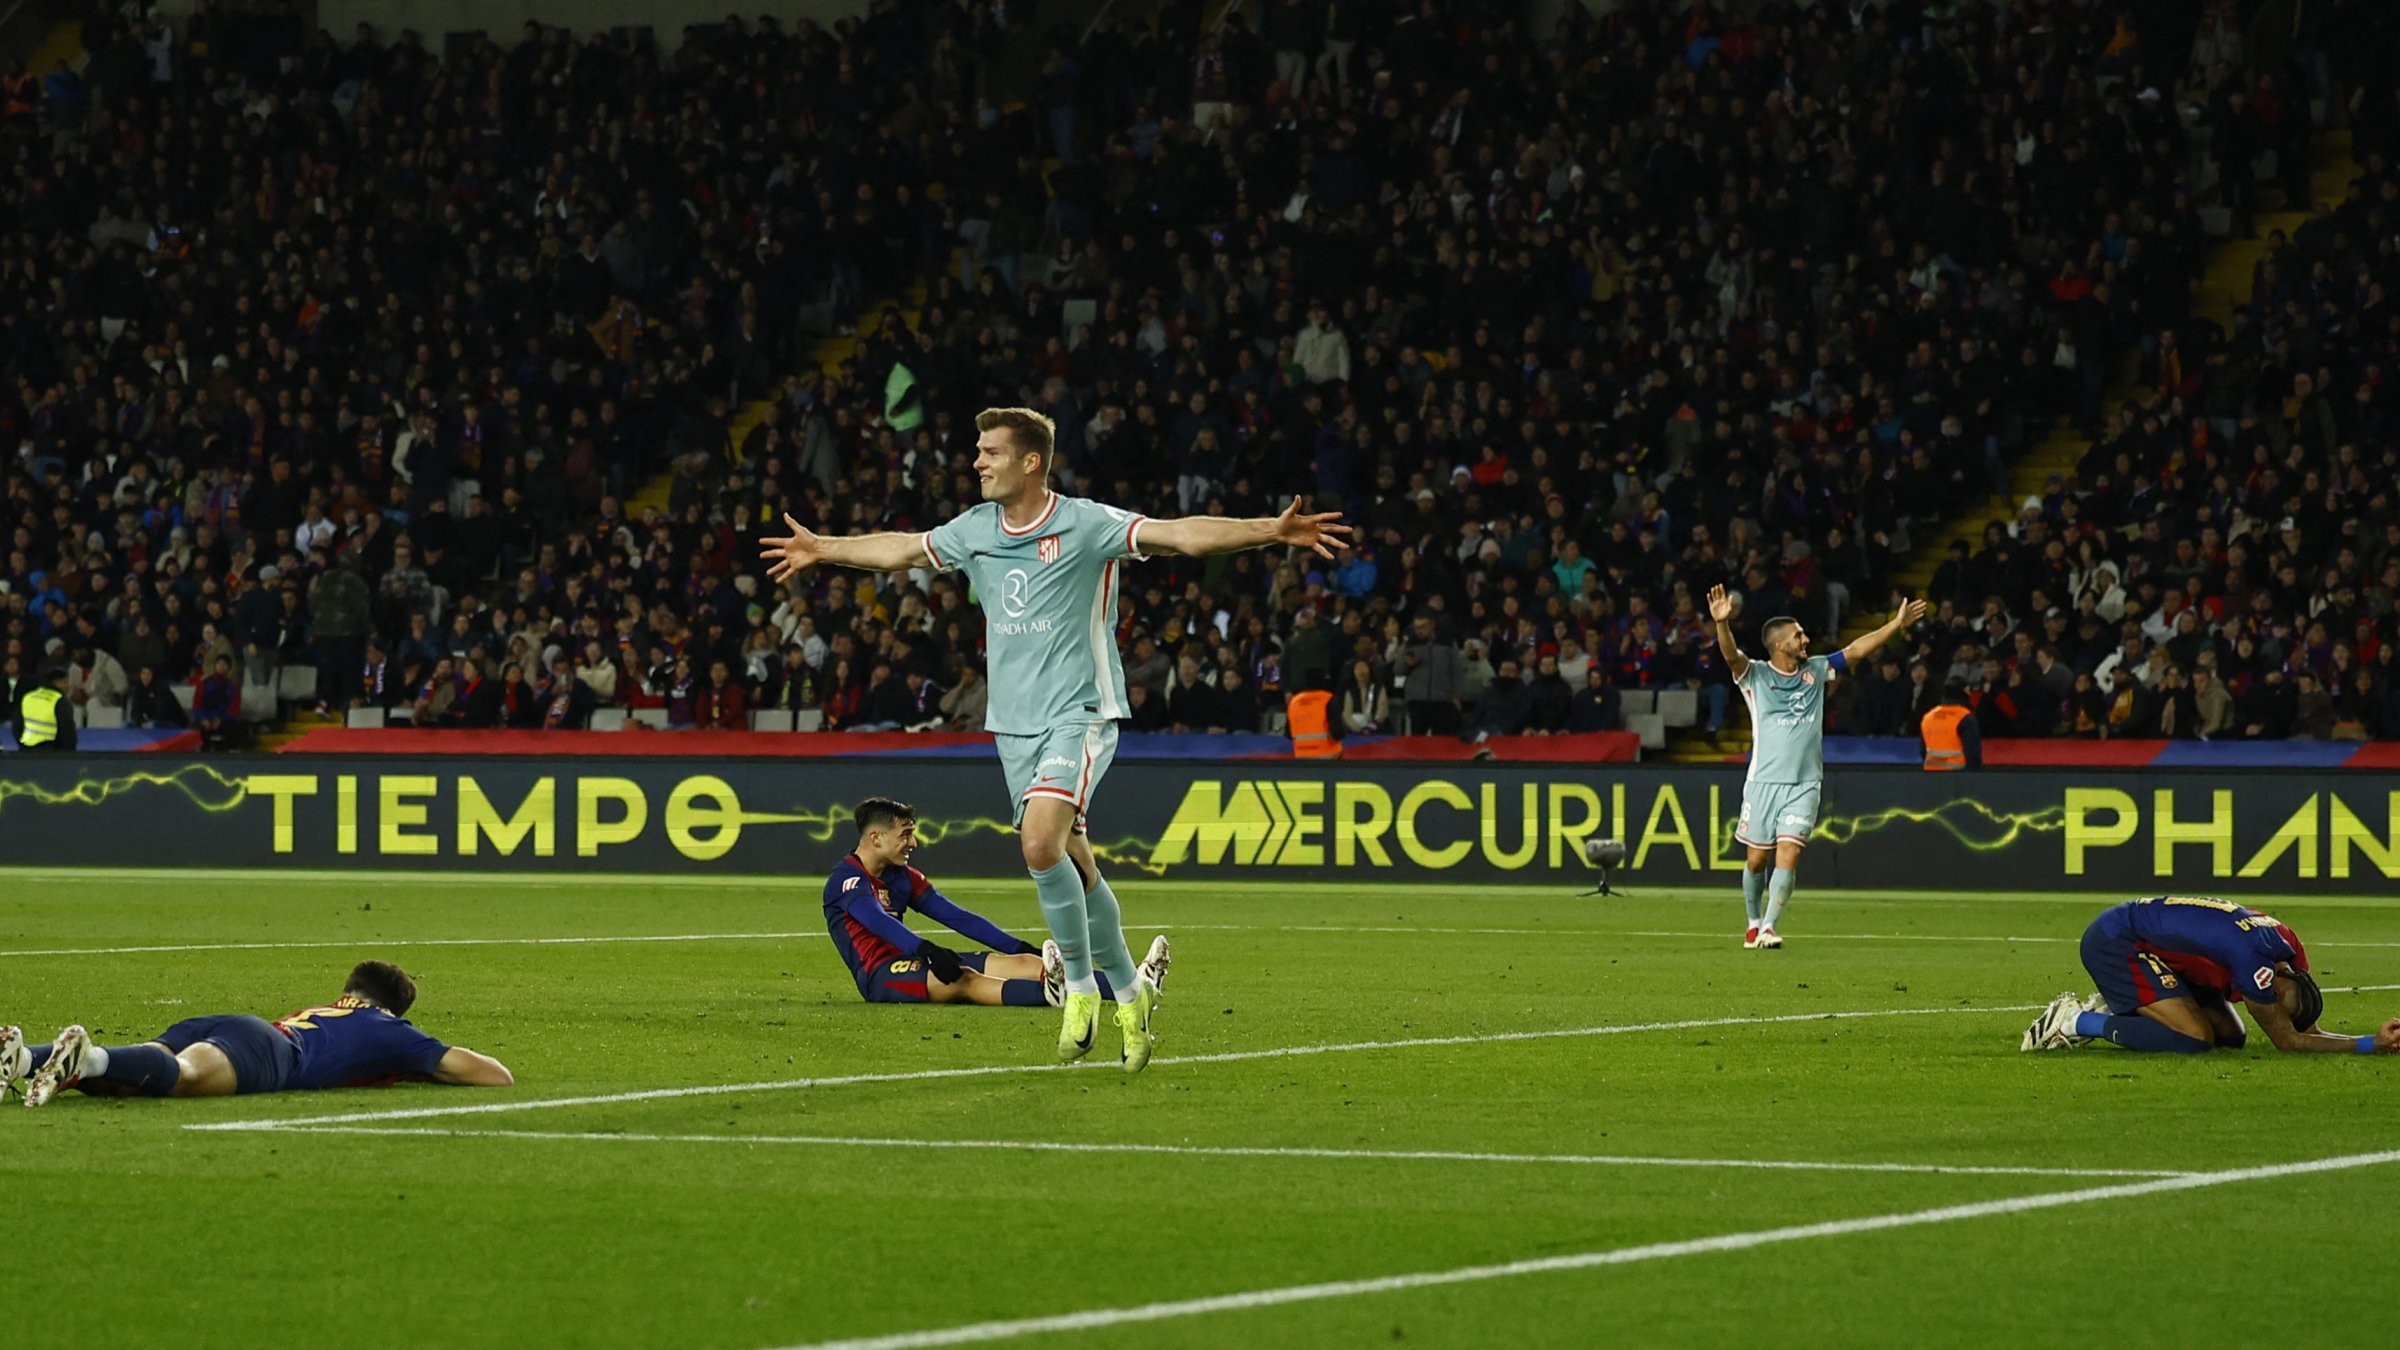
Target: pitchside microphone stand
point(1603, 854)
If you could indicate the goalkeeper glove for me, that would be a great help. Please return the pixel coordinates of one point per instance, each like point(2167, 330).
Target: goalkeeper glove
point(942, 961)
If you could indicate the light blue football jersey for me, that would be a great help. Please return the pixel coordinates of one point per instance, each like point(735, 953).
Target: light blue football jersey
point(1049, 597)
point(1787, 720)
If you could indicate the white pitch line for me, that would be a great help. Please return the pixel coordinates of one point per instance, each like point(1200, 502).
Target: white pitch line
point(1152, 927)
point(1101, 1318)
point(1205, 1151)
point(994, 1070)
point(1224, 1057)
point(415, 942)
point(1714, 936)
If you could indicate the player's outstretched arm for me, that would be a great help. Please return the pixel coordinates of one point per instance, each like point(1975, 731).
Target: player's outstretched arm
point(803, 548)
point(2277, 1023)
point(1909, 612)
point(1720, 609)
point(970, 925)
point(1199, 536)
point(461, 1067)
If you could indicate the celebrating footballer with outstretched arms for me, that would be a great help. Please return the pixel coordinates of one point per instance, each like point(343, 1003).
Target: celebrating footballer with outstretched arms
point(1046, 570)
point(1785, 786)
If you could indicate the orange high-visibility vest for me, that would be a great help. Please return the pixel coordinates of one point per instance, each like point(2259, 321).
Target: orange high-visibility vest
point(1312, 735)
point(1944, 752)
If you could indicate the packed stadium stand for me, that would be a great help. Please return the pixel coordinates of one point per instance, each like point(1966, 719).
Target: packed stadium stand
point(449, 379)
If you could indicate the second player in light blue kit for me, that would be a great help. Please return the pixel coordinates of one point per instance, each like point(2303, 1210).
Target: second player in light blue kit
point(1786, 782)
point(1046, 570)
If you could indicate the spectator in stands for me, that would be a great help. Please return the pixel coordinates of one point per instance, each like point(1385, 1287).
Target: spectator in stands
point(1551, 701)
point(719, 705)
point(477, 703)
point(1145, 711)
point(598, 673)
point(963, 706)
point(217, 703)
point(520, 703)
point(680, 691)
point(152, 703)
point(843, 697)
point(1366, 706)
point(1598, 706)
point(2212, 707)
point(437, 691)
point(94, 678)
point(1434, 683)
point(378, 682)
point(1190, 702)
point(341, 617)
point(1236, 706)
point(1505, 708)
point(563, 702)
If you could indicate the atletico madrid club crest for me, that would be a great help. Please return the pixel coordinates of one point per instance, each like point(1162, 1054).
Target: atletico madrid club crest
point(1047, 548)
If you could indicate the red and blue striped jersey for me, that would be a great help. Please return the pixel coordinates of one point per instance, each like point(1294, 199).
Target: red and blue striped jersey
point(2214, 944)
point(864, 914)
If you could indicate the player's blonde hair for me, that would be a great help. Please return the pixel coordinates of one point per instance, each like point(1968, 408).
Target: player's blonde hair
point(1034, 433)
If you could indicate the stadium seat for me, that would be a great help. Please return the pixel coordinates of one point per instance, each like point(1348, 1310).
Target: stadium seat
point(1638, 702)
point(364, 718)
point(297, 684)
point(771, 719)
point(1650, 727)
point(808, 719)
point(1075, 314)
point(183, 695)
point(258, 702)
point(1679, 707)
point(608, 719)
point(403, 714)
point(103, 716)
point(655, 718)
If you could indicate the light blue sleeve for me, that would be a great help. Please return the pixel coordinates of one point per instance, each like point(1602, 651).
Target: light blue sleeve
point(954, 541)
point(1825, 670)
point(1108, 531)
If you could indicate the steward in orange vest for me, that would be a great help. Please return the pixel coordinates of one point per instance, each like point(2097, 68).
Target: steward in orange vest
point(1312, 732)
point(1952, 740)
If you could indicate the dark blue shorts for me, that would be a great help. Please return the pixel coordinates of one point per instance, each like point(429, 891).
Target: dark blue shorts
point(263, 1058)
point(2130, 976)
point(898, 981)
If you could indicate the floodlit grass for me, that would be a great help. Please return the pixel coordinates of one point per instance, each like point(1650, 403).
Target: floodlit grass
point(790, 1215)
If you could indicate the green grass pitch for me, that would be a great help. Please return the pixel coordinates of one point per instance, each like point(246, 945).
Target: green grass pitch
point(742, 1220)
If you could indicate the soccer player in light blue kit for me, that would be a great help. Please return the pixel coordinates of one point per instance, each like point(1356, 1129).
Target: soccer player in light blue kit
point(1786, 783)
point(1047, 569)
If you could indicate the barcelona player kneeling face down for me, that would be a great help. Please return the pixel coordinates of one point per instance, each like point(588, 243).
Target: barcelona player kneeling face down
point(874, 888)
point(362, 1039)
point(2172, 969)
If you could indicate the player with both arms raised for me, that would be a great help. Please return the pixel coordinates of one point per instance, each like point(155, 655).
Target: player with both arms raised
point(1786, 783)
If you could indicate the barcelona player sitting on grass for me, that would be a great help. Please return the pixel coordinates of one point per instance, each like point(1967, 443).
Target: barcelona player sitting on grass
point(2172, 967)
point(872, 888)
point(362, 1039)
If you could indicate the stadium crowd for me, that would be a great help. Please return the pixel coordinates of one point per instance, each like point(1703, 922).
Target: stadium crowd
point(351, 355)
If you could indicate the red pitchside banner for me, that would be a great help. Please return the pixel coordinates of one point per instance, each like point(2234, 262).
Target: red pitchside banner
point(1608, 747)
